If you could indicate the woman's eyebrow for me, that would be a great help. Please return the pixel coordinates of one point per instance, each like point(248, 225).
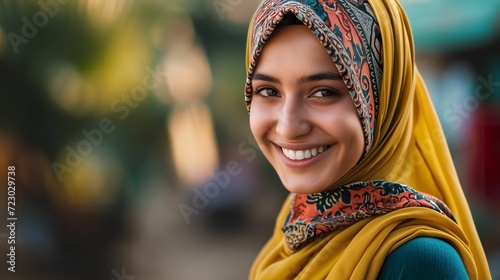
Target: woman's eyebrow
point(319, 77)
point(305, 79)
point(265, 77)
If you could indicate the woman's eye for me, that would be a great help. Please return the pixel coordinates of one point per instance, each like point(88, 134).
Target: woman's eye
point(324, 93)
point(267, 92)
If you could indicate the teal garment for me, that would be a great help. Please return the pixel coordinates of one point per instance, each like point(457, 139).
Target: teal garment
point(423, 258)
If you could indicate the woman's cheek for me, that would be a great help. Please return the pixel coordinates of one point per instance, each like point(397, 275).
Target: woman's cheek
point(259, 121)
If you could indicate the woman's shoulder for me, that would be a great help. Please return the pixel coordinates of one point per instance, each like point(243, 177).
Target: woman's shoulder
point(424, 258)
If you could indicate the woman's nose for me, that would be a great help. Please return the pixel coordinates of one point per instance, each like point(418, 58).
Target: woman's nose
point(292, 119)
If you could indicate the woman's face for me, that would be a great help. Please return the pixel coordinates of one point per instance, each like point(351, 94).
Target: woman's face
point(302, 115)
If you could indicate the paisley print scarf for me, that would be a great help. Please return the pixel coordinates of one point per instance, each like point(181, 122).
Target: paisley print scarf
point(316, 214)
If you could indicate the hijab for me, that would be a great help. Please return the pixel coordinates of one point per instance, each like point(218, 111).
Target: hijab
point(405, 184)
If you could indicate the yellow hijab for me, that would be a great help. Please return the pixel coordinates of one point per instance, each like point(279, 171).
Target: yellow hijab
point(408, 147)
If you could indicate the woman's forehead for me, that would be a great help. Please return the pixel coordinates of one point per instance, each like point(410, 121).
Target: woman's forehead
point(294, 48)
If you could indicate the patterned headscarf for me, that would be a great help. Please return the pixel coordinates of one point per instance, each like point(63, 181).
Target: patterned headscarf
point(351, 36)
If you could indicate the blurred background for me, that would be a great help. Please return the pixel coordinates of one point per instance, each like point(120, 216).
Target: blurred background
point(126, 124)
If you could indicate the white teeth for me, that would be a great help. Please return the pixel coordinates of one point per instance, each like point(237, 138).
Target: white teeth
point(303, 154)
point(307, 154)
point(299, 155)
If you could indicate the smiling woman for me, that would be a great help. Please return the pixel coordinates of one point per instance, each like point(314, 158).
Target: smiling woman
point(341, 113)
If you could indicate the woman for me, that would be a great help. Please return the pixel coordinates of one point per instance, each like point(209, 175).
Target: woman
point(339, 109)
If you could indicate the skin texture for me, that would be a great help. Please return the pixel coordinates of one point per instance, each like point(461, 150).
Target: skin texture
point(300, 102)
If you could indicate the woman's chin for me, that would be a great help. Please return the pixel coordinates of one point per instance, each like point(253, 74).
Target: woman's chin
point(304, 188)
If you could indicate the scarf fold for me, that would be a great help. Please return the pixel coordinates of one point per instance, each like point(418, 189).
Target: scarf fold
point(317, 214)
point(359, 224)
